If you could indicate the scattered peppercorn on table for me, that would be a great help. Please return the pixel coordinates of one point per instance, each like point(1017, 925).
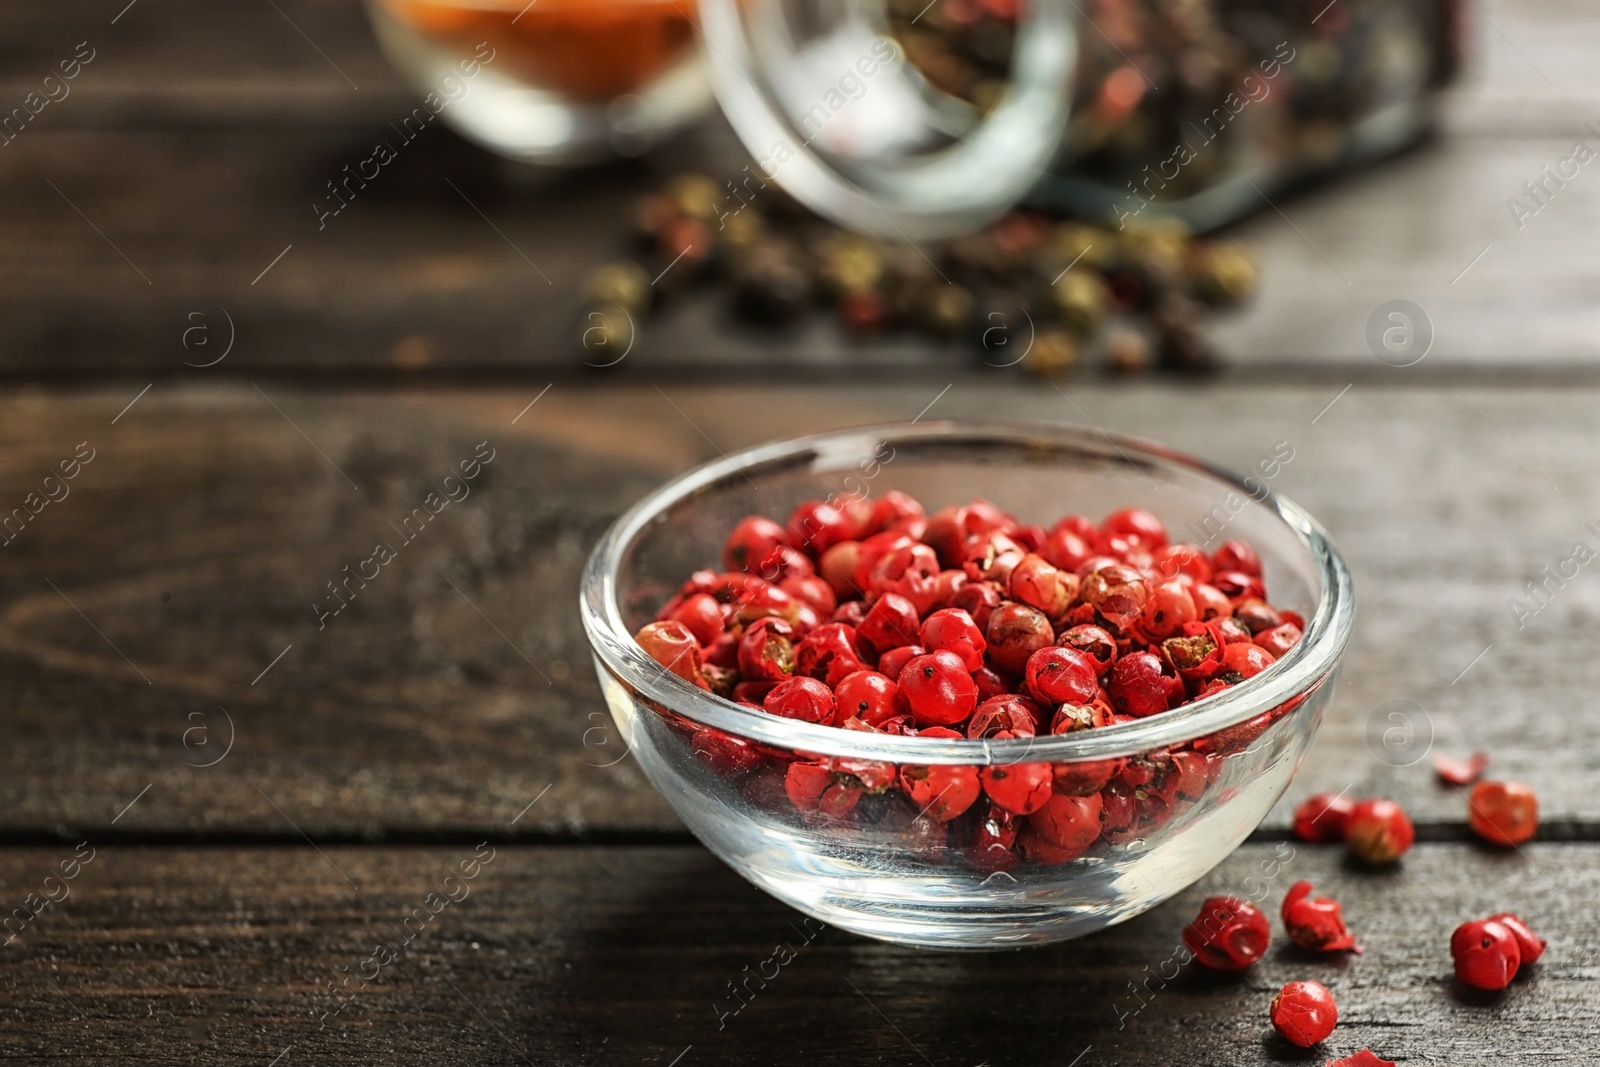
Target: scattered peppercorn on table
point(240, 827)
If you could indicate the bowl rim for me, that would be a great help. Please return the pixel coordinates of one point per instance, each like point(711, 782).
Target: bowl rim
point(1306, 666)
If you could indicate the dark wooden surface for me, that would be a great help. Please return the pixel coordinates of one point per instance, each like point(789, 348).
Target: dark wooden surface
point(165, 606)
point(198, 539)
point(573, 954)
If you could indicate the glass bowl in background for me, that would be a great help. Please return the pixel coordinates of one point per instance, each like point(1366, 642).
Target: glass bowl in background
point(570, 81)
point(1211, 770)
point(905, 118)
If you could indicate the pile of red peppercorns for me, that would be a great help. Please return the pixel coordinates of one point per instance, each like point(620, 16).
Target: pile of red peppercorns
point(872, 615)
point(1230, 934)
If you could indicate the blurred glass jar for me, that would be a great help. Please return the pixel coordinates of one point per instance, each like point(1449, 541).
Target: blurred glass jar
point(570, 81)
point(913, 119)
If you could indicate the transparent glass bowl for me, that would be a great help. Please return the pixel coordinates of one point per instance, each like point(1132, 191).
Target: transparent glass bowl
point(555, 82)
point(1211, 769)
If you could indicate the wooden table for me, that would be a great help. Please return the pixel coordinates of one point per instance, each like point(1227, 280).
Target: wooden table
point(261, 798)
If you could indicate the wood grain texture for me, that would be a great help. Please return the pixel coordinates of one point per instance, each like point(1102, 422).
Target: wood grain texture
point(200, 536)
point(569, 955)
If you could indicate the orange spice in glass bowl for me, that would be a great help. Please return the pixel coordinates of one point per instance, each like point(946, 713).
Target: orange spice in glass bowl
point(552, 81)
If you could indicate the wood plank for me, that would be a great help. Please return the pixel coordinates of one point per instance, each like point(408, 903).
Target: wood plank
point(568, 955)
point(410, 277)
point(201, 534)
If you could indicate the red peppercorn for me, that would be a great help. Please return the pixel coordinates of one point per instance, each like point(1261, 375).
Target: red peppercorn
point(1070, 717)
point(1323, 818)
point(1085, 777)
point(946, 586)
point(1010, 714)
point(894, 661)
point(1530, 945)
point(938, 688)
point(1065, 549)
point(1094, 642)
point(1015, 632)
point(1378, 831)
point(948, 531)
point(1503, 813)
point(1257, 615)
point(869, 696)
point(1486, 954)
point(1138, 687)
point(1229, 934)
point(1058, 675)
point(725, 753)
point(1135, 524)
point(817, 526)
point(815, 788)
point(1237, 585)
point(912, 571)
point(1071, 823)
point(1316, 923)
point(894, 507)
point(955, 631)
point(1167, 610)
point(829, 653)
point(1082, 527)
point(811, 591)
point(991, 683)
point(890, 623)
point(993, 838)
point(978, 600)
point(1280, 639)
point(1186, 562)
point(782, 564)
point(1236, 556)
point(1195, 658)
point(1020, 788)
point(766, 651)
point(992, 557)
point(1304, 1013)
point(1118, 594)
point(750, 598)
point(1039, 584)
point(1209, 601)
point(1364, 1058)
point(805, 699)
point(672, 645)
point(942, 791)
point(851, 613)
point(1183, 779)
point(837, 566)
point(752, 541)
point(874, 548)
point(1460, 771)
point(1247, 660)
point(752, 694)
point(701, 613)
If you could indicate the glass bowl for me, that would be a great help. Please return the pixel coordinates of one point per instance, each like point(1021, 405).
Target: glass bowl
point(1190, 784)
point(554, 82)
